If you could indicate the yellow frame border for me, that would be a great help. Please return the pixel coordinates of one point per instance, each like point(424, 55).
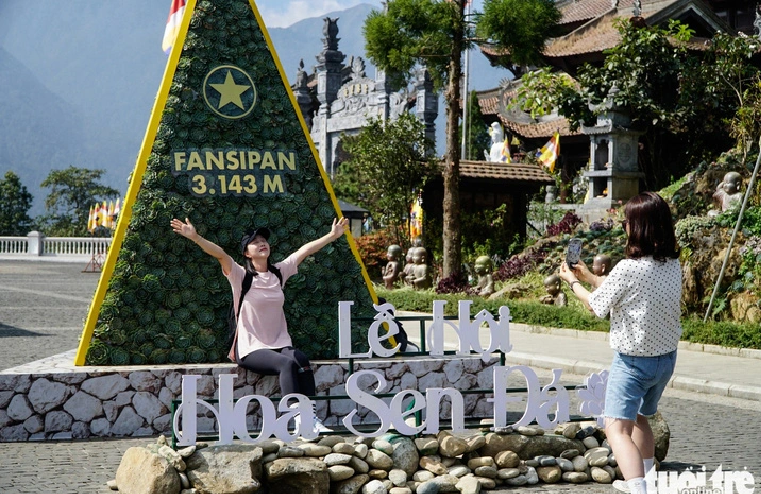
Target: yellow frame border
point(142, 162)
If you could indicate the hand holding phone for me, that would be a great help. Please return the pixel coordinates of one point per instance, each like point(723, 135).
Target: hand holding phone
point(574, 252)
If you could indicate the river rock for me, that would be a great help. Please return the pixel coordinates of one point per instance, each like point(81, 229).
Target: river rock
point(570, 454)
point(564, 464)
point(590, 442)
point(383, 446)
point(231, 468)
point(337, 459)
point(142, 472)
point(487, 472)
point(517, 481)
point(531, 476)
point(428, 487)
point(580, 464)
point(662, 435)
point(379, 459)
point(508, 473)
point(311, 449)
point(475, 442)
point(545, 460)
point(423, 476)
point(346, 448)
point(507, 459)
point(350, 486)
point(481, 461)
point(452, 446)
point(496, 443)
point(405, 455)
point(398, 477)
point(468, 485)
point(446, 483)
point(287, 476)
point(597, 457)
point(575, 477)
point(459, 471)
point(340, 472)
point(549, 475)
point(433, 464)
point(374, 487)
point(400, 490)
point(359, 466)
point(427, 445)
point(601, 476)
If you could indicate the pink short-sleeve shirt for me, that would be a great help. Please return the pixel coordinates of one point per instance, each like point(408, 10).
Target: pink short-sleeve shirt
point(261, 322)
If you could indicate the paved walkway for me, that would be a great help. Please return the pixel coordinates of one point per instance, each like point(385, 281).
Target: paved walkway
point(713, 407)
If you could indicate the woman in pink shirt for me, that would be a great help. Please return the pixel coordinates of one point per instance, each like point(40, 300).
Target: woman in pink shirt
point(262, 343)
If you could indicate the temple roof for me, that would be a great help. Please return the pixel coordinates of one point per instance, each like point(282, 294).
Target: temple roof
point(520, 172)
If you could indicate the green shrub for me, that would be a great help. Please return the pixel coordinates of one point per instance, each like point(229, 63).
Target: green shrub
point(572, 317)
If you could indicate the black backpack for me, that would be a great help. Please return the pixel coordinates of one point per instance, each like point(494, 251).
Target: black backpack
point(232, 315)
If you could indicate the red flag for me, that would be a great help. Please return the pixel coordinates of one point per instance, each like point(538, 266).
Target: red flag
point(173, 24)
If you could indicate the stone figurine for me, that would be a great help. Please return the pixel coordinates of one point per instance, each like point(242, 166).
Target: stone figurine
point(555, 295)
point(727, 193)
point(392, 270)
point(420, 276)
point(483, 268)
point(409, 266)
point(601, 265)
point(497, 142)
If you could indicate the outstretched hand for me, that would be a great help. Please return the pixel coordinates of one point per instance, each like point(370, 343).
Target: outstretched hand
point(186, 229)
point(338, 228)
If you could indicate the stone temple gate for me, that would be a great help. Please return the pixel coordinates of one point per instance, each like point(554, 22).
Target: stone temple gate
point(340, 99)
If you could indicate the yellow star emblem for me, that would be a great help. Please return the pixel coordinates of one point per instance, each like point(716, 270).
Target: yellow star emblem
point(230, 92)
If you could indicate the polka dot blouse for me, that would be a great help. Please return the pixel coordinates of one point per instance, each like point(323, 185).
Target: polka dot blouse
point(642, 297)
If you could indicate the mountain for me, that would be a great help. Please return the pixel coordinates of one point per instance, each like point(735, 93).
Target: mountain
point(80, 79)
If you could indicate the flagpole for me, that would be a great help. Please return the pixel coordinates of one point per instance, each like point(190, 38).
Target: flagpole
point(464, 132)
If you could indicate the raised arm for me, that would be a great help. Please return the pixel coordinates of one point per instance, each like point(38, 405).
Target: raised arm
point(188, 231)
point(336, 232)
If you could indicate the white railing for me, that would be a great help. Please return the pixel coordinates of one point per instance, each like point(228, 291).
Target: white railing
point(36, 244)
point(14, 245)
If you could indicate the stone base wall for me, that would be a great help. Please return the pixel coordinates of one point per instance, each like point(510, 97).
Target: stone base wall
point(49, 401)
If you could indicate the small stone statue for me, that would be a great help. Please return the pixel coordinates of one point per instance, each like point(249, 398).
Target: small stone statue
point(555, 295)
point(497, 143)
point(483, 268)
point(727, 193)
point(409, 266)
point(391, 272)
point(420, 276)
point(601, 265)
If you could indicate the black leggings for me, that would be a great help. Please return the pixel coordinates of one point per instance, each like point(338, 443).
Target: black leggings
point(290, 364)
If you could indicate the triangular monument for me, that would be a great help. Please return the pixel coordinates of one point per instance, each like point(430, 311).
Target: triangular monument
point(226, 147)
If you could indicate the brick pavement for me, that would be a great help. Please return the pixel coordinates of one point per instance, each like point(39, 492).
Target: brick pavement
point(42, 306)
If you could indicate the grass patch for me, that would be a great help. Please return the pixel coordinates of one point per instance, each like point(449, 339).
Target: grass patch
point(575, 316)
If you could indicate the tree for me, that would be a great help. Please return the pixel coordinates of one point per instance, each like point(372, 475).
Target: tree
point(15, 202)
point(388, 160)
point(434, 34)
point(685, 102)
point(478, 139)
point(73, 191)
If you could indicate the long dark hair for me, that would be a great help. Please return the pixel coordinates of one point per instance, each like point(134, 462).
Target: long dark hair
point(651, 230)
point(270, 267)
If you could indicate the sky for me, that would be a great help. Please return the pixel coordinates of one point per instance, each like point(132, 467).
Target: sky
point(283, 13)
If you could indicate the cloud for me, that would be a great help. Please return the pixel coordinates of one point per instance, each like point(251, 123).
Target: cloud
point(283, 13)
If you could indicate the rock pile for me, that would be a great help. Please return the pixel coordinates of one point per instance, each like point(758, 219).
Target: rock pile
point(391, 464)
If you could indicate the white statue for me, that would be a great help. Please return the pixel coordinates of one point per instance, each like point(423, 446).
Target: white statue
point(497, 143)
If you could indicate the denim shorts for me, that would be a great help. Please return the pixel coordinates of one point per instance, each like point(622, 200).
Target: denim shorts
point(635, 384)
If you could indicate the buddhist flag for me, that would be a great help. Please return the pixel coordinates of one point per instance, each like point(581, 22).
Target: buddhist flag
point(504, 157)
point(117, 208)
point(548, 155)
point(91, 220)
point(173, 24)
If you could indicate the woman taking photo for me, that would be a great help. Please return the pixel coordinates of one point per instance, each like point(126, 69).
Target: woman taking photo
point(262, 343)
point(642, 295)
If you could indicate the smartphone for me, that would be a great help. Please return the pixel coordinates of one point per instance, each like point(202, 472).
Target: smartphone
point(574, 252)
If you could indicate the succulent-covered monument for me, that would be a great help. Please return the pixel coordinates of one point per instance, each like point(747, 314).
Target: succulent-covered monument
point(226, 148)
